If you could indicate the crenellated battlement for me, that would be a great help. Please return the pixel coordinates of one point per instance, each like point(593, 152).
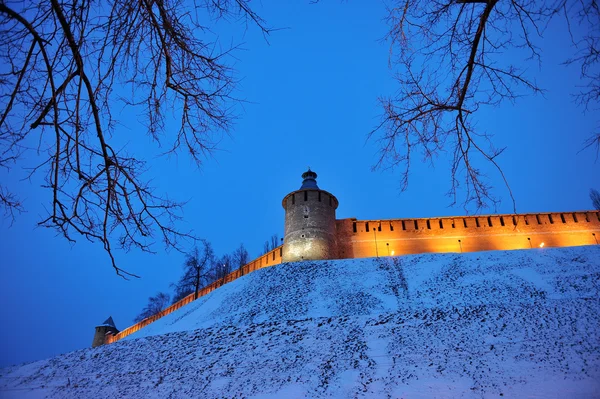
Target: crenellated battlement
point(366, 238)
point(271, 258)
point(313, 232)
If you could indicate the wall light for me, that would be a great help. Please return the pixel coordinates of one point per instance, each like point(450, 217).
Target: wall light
point(542, 245)
point(393, 253)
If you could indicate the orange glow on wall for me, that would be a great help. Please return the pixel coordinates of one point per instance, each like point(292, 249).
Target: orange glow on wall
point(467, 234)
point(269, 259)
point(439, 235)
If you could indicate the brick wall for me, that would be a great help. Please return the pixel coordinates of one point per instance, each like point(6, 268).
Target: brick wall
point(270, 259)
point(368, 238)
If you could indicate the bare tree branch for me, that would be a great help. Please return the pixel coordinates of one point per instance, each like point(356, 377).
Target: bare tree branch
point(587, 57)
point(155, 304)
point(67, 65)
point(448, 57)
point(197, 271)
point(595, 197)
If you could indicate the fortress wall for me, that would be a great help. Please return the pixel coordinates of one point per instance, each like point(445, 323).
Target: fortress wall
point(271, 258)
point(368, 238)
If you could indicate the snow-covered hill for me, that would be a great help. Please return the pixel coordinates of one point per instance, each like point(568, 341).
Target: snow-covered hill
point(492, 324)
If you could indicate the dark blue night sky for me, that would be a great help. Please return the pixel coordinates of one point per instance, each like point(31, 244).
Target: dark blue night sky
point(311, 100)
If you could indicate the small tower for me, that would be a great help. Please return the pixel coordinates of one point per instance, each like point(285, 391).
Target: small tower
point(309, 222)
point(108, 327)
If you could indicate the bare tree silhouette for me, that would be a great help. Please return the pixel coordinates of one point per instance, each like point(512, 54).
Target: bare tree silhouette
point(155, 304)
point(595, 197)
point(68, 64)
point(271, 244)
point(197, 271)
point(449, 59)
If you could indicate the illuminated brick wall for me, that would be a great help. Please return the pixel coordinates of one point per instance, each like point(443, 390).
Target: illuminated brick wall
point(270, 259)
point(368, 238)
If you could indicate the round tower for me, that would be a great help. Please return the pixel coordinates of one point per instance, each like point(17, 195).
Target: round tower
point(108, 327)
point(309, 222)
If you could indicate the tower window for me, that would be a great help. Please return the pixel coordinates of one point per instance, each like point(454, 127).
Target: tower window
point(453, 225)
point(575, 218)
point(416, 225)
point(537, 217)
point(391, 227)
point(465, 222)
point(273, 255)
point(403, 225)
point(293, 199)
point(502, 220)
point(477, 222)
point(441, 224)
point(319, 196)
point(587, 219)
point(562, 218)
point(514, 220)
point(428, 224)
point(379, 227)
point(490, 221)
point(526, 221)
point(550, 218)
point(354, 227)
point(306, 196)
point(367, 226)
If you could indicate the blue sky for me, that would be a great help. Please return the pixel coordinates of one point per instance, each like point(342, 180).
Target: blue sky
point(312, 98)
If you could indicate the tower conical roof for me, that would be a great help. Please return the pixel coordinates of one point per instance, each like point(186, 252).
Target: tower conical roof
point(310, 180)
point(109, 322)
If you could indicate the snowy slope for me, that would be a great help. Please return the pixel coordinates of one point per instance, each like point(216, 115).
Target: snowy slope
point(490, 324)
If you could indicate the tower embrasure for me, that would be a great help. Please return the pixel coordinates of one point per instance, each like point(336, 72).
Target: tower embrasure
point(309, 222)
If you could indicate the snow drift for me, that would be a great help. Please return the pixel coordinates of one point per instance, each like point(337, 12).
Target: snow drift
point(491, 324)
